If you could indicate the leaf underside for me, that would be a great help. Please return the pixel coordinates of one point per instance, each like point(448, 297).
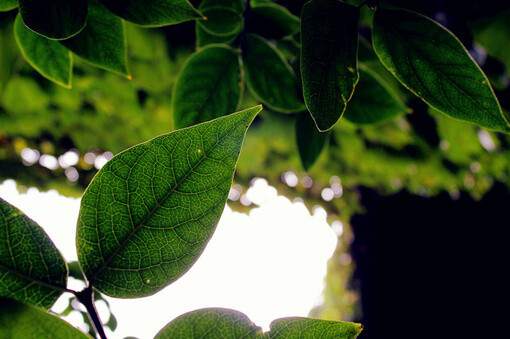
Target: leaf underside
point(148, 214)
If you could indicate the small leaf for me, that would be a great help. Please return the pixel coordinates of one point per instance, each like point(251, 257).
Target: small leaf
point(206, 38)
point(297, 327)
point(103, 40)
point(273, 21)
point(433, 64)
point(269, 77)
point(222, 21)
point(310, 141)
point(329, 40)
point(32, 270)
point(7, 5)
point(54, 19)
point(18, 320)
point(373, 101)
point(153, 13)
point(149, 212)
point(48, 57)
point(227, 323)
point(209, 85)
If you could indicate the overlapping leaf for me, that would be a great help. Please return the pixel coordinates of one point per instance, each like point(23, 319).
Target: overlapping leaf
point(216, 34)
point(19, 320)
point(54, 19)
point(7, 5)
point(209, 85)
point(273, 21)
point(310, 141)
point(148, 214)
point(329, 40)
point(32, 270)
point(103, 40)
point(221, 21)
point(153, 13)
point(269, 77)
point(373, 101)
point(434, 65)
point(227, 323)
point(48, 57)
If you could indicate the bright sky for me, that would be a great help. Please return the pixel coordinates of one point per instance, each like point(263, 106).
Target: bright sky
point(268, 264)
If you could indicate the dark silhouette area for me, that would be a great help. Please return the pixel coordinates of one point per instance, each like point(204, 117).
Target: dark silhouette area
point(432, 267)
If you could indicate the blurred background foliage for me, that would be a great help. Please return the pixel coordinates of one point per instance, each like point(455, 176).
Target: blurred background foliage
point(56, 138)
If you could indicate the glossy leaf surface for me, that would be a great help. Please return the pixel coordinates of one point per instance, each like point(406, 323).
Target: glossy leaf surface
point(209, 85)
point(54, 19)
point(329, 40)
point(153, 13)
point(7, 5)
point(269, 77)
point(18, 320)
point(373, 101)
point(433, 64)
point(48, 57)
point(32, 270)
point(227, 323)
point(103, 40)
point(149, 212)
point(310, 141)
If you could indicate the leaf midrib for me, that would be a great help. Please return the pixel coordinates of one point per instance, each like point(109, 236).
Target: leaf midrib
point(32, 279)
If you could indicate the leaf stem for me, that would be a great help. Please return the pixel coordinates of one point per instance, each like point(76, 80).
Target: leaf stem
point(86, 297)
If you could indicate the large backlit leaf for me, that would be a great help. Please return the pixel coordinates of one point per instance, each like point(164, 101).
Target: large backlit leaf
point(32, 270)
point(309, 140)
point(48, 57)
point(7, 5)
point(227, 323)
point(329, 40)
point(209, 85)
point(18, 320)
point(54, 19)
point(433, 64)
point(149, 212)
point(373, 101)
point(153, 13)
point(103, 40)
point(269, 77)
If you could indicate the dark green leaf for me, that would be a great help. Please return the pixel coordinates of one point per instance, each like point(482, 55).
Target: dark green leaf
point(7, 5)
point(433, 64)
point(209, 85)
point(329, 40)
point(48, 57)
point(222, 21)
point(32, 270)
point(310, 141)
point(297, 327)
point(269, 77)
point(206, 38)
point(54, 19)
point(153, 13)
point(373, 101)
point(273, 21)
point(103, 40)
point(148, 214)
point(227, 323)
point(18, 320)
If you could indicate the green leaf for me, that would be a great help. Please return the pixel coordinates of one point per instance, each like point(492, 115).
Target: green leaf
point(153, 13)
point(310, 141)
point(209, 85)
point(273, 21)
point(227, 323)
point(7, 5)
point(373, 100)
point(48, 57)
point(432, 63)
point(149, 212)
point(18, 320)
point(222, 21)
point(203, 36)
point(32, 270)
point(269, 77)
point(297, 327)
point(103, 40)
point(329, 42)
point(54, 19)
